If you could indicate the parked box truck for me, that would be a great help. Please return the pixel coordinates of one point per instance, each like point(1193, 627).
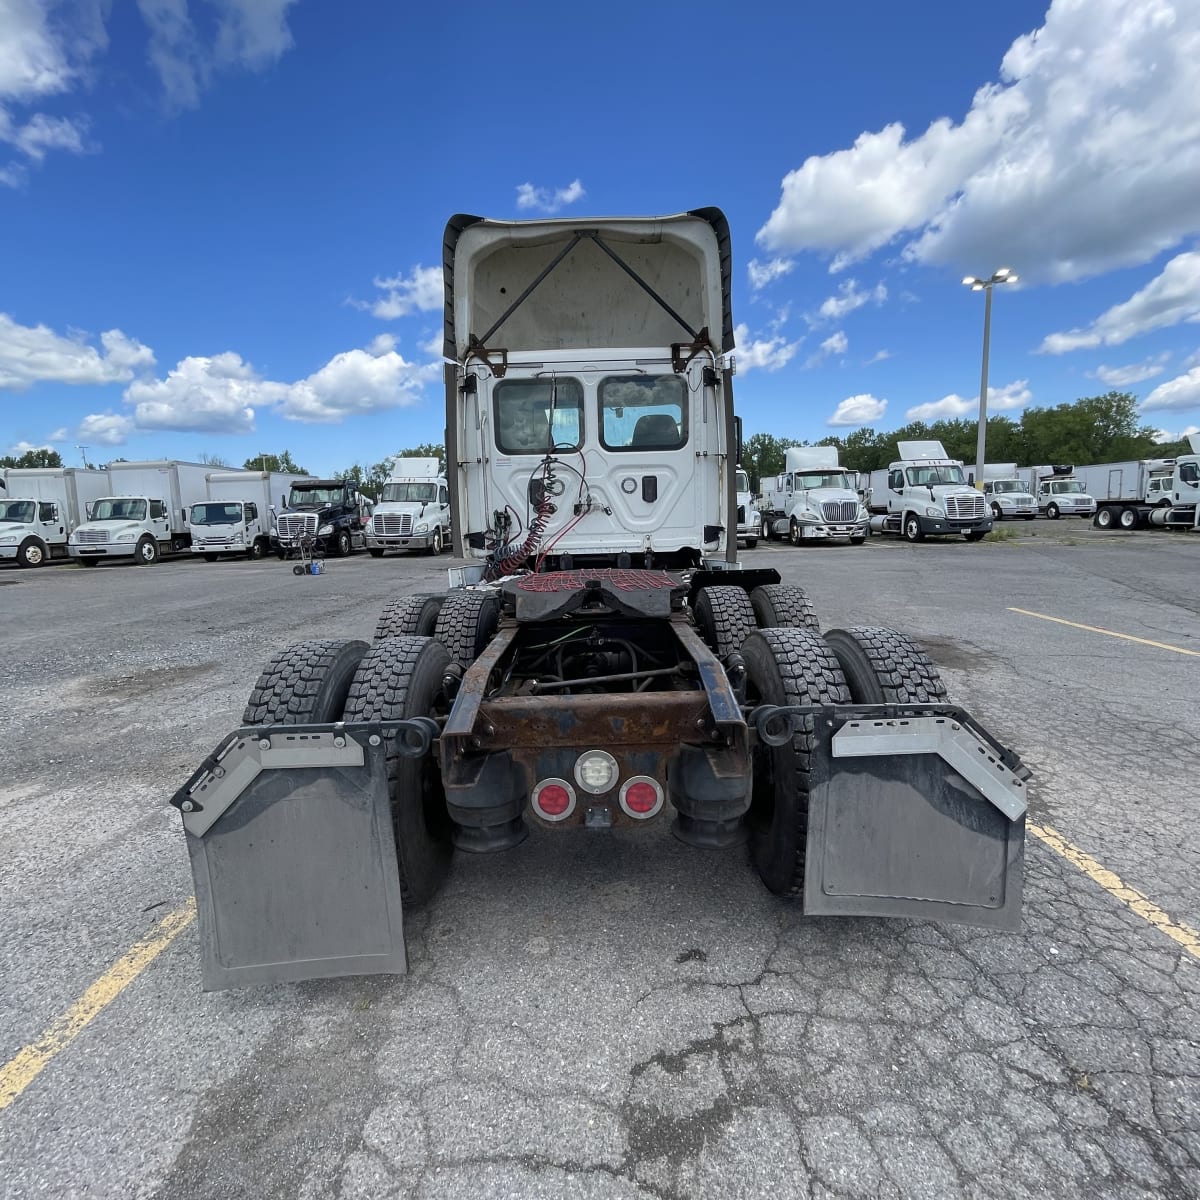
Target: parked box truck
point(238, 517)
point(40, 509)
point(1004, 488)
point(814, 499)
point(1057, 492)
point(413, 511)
point(1146, 491)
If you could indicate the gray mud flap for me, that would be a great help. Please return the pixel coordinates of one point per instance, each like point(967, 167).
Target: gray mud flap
point(289, 831)
point(914, 812)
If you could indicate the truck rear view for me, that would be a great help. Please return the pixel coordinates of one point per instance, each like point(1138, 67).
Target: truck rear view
point(603, 660)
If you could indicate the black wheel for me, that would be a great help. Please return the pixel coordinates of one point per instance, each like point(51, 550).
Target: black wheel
point(32, 553)
point(298, 569)
point(210, 558)
point(466, 623)
point(410, 615)
point(766, 529)
point(258, 549)
point(1052, 511)
point(857, 541)
point(997, 513)
point(1129, 518)
point(783, 605)
point(305, 684)
point(912, 528)
point(794, 535)
point(375, 553)
point(1104, 518)
point(724, 617)
point(146, 552)
point(281, 554)
point(90, 562)
point(751, 543)
point(342, 543)
point(397, 680)
point(786, 666)
point(435, 546)
point(975, 535)
point(882, 666)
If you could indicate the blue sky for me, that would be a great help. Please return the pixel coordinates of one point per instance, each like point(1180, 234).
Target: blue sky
point(220, 220)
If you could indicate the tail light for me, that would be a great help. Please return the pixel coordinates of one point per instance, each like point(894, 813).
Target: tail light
point(641, 797)
point(553, 799)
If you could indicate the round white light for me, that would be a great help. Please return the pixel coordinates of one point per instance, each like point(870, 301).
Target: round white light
point(596, 771)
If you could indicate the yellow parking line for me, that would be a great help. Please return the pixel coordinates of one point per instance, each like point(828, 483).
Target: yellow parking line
point(1145, 908)
point(1128, 637)
point(21, 1071)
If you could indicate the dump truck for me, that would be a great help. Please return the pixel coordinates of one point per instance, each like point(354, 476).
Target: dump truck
point(814, 499)
point(602, 661)
point(42, 508)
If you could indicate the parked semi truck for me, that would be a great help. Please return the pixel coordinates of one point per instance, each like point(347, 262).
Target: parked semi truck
point(602, 661)
point(1007, 493)
point(1057, 492)
point(238, 517)
point(925, 492)
point(330, 513)
point(749, 518)
point(41, 508)
point(1162, 492)
point(814, 499)
point(144, 515)
point(413, 511)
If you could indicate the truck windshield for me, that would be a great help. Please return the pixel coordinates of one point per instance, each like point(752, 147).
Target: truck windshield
point(643, 412)
point(537, 415)
point(1066, 485)
point(823, 479)
point(119, 510)
point(216, 514)
point(743, 481)
point(20, 511)
point(1007, 485)
point(412, 493)
point(315, 497)
point(924, 476)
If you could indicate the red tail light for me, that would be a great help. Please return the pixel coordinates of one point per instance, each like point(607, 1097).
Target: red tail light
point(641, 797)
point(553, 799)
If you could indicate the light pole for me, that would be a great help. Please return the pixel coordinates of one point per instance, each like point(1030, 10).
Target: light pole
point(1003, 275)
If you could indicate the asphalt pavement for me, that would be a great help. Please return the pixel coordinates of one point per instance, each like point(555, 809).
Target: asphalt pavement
point(611, 1015)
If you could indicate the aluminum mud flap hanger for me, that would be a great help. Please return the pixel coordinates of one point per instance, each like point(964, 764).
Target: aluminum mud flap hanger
point(289, 831)
point(914, 811)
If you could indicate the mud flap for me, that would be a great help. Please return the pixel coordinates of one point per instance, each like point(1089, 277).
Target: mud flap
point(914, 812)
point(289, 831)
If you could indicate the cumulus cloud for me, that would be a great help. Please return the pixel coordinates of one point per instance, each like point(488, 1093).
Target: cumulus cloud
point(858, 410)
point(32, 354)
point(354, 382)
point(548, 200)
point(1118, 377)
point(419, 291)
point(762, 273)
point(26, 447)
point(1170, 298)
point(203, 395)
point(835, 344)
point(1178, 394)
point(59, 435)
point(849, 297)
point(878, 356)
point(1095, 114)
point(105, 429)
point(767, 354)
point(1000, 399)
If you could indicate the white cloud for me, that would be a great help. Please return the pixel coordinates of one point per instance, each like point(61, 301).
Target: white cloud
point(849, 297)
point(1096, 115)
point(209, 395)
point(1178, 394)
point(105, 429)
point(433, 345)
point(59, 435)
point(381, 343)
point(25, 447)
point(858, 410)
point(32, 354)
point(547, 201)
point(767, 354)
point(1117, 377)
point(1170, 298)
point(878, 356)
point(762, 273)
point(1012, 395)
point(354, 382)
point(836, 343)
point(1000, 399)
point(421, 290)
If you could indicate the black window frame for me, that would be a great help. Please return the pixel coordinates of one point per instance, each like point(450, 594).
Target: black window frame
point(546, 381)
point(685, 432)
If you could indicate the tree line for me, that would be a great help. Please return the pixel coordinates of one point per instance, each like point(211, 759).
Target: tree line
point(1093, 429)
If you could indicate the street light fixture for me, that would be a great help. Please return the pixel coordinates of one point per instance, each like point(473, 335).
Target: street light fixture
point(1002, 275)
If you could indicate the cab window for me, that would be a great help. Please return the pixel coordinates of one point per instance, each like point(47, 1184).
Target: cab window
point(643, 412)
point(47, 512)
point(251, 512)
point(537, 416)
point(157, 510)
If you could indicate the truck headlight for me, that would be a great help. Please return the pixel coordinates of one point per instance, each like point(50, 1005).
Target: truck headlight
point(126, 537)
point(423, 527)
point(237, 537)
point(930, 511)
point(863, 515)
point(325, 531)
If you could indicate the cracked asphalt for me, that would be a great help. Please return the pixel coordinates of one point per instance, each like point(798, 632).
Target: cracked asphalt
point(616, 1015)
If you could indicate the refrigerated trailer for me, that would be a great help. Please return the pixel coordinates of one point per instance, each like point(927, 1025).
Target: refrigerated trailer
point(42, 507)
point(1163, 492)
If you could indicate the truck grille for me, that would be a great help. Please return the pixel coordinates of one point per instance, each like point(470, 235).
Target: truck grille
point(1024, 501)
point(393, 524)
point(966, 508)
point(294, 525)
point(91, 537)
point(840, 512)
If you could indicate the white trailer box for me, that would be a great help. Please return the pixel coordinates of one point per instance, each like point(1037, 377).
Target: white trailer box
point(41, 508)
point(413, 511)
point(145, 513)
point(238, 517)
point(1146, 491)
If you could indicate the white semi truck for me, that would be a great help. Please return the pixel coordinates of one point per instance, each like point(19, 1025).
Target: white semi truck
point(41, 508)
point(237, 518)
point(749, 519)
point(925, 492)
point(144, 515)
point(1163, 492)
point(413, 511)
point(1007, 493)
point(814, 499)
point(1057, 492)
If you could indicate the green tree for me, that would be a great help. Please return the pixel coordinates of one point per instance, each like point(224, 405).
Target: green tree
point(1093, 429)
point(424, 450)
point(763, 456)
point(43, 456)
point(214, 460)
point(275, 462)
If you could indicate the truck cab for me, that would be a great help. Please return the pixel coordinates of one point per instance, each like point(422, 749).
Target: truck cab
point(128, 527)
point(749, 520)
point(1064, 496)
point(1007, 494)
point(330, 512)
point(226, 527)
point(413, 511)
point(815, 499)
point(31, 531)
point(927, 493)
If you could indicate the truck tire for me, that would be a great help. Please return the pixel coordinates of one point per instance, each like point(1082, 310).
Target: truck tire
point(783, 605)
point(375, 553)
point(1130, 518)
point(146, 552)
point(258, 548)
point(210, 558)
point(399, 679)
point(466, 623)
point(882, 666)
point(794, 534)
point(786, 666)
point(412, 616)
point(343, 544)
point(724, 617)
point(751, 543)
point(912, 528)
point(858, 541)
point(305, 684)
point(90, 562)
point(1104, 518)
point(997, 513)
point(1052, 511)
point(435, 544)
point(975, 535)
point(32, 553)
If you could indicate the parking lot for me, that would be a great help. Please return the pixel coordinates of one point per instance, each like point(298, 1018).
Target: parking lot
point(614, 1014)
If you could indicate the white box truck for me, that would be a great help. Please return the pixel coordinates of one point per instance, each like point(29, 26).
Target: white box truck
point(144, 515)
point(925, 492)
point(413, 511)
point(238, 516)
point(1163, 492)
point(749, 518)
point(1007, 492)
point(814, 499)
point(40, 509)
point(1057, 493)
